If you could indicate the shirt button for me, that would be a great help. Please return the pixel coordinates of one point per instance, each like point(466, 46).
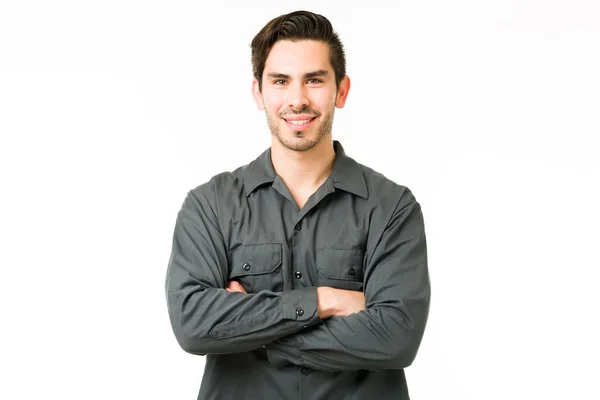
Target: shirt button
point(305, 371)
point(298, 226)
point(351, 271)
point(298, 274)
point(246, 267)
point(299, 312)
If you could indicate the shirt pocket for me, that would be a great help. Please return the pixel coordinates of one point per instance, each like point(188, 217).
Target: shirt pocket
point(340, 268)
point(257, 267)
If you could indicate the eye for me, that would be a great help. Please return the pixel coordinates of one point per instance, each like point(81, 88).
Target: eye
point(279, 82)
point(314, 80)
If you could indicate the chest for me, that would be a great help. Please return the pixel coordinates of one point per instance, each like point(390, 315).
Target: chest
point(272, 245)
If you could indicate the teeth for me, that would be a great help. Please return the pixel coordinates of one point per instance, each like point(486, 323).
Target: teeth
point(299, 122)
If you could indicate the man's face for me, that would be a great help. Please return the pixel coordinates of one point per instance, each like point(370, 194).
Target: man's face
point(299, 94)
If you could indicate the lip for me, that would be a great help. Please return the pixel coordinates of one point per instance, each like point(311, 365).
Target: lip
point(299, 128)
point(299, 117)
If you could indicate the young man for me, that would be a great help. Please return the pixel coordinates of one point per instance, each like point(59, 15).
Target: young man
point(303, 274)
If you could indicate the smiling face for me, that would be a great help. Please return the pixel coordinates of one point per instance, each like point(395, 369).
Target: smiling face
point(299, 93)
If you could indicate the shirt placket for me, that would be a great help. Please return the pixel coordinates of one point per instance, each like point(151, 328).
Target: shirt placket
point(302, 236)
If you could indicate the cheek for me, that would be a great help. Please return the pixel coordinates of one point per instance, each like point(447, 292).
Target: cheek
point(272, 110)
point(324, 101)
point(273, 103)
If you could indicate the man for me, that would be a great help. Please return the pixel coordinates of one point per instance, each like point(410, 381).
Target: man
point(303, 274)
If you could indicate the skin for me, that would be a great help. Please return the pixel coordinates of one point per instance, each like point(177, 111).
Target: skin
point(298, 80)
point(298, 83)
point(330, 301)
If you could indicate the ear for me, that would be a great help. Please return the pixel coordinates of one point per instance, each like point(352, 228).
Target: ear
point(258, 99)
point(342, 93)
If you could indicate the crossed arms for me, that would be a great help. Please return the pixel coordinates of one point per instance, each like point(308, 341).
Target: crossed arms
point(321, 328)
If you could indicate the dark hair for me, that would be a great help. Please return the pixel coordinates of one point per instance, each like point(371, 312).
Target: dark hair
point(298, 25)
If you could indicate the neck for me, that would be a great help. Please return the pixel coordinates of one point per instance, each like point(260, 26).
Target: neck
point(306, 169)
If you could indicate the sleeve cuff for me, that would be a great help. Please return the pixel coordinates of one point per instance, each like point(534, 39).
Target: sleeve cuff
point(301, 305)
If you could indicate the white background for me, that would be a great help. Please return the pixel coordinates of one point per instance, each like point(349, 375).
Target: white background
point(110, 111)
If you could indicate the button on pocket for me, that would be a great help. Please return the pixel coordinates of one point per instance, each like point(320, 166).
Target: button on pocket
point(340, 268)
point(257, 267)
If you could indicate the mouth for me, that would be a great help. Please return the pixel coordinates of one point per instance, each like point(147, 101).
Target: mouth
point(299, 124)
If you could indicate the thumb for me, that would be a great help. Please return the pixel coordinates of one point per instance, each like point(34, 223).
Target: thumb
point(236, 287)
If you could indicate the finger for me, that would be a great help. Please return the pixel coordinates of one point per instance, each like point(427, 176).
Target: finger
point(235, 285)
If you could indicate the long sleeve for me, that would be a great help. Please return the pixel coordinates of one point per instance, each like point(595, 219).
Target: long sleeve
point(388, 333)
point(206, 319)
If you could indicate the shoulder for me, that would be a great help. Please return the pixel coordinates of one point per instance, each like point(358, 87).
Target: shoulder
point(221, 185)
point(384, 191)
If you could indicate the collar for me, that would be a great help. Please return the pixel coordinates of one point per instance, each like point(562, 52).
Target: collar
point(346, 175)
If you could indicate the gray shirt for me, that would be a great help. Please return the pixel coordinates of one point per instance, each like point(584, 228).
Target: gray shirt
point(358, 231)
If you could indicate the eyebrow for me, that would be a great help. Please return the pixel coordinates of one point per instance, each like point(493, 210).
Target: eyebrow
point(321, 72)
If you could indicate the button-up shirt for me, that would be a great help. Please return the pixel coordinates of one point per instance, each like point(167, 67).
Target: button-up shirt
point(359, 231)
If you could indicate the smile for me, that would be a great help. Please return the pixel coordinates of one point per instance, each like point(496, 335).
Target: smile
point(300, 124)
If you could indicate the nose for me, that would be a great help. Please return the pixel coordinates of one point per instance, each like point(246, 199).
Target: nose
point(297, 96)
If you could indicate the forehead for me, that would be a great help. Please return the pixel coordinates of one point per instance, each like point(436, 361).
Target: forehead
point(298, 57)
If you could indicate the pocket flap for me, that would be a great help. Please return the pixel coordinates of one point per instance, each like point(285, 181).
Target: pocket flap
point(343, 264)
point(255, 259)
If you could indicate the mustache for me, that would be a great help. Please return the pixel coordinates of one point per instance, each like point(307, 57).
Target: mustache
point(303, 110)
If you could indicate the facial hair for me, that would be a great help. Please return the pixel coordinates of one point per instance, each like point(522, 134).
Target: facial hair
point(299, 142)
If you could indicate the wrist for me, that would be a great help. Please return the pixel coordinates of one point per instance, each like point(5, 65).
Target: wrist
point(327, 302)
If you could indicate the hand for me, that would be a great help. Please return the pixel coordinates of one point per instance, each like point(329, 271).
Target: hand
point(235, 286)
point(338, 302)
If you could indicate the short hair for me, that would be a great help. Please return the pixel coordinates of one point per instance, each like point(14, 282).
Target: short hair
point(297, 25)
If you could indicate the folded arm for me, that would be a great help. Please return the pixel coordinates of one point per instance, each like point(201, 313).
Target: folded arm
point(388, 332)
point(205, 317)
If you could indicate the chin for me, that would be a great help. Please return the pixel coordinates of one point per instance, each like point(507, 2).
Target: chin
point(297, 143)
